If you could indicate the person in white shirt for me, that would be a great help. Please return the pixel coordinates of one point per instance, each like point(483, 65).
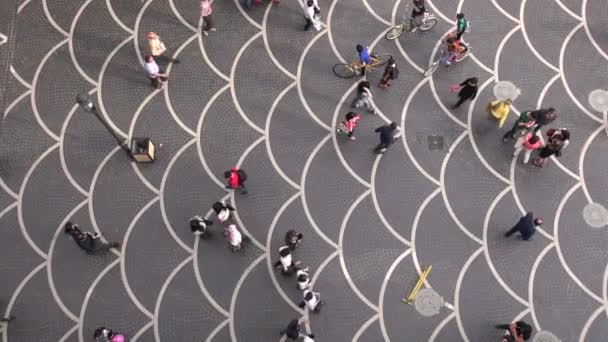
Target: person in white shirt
point(311, 14)
point(154, 74)
point(303, 278)
point(223, 211)
point(286, 263)
point(312, 300)
point(157, 49)
point(234, 237)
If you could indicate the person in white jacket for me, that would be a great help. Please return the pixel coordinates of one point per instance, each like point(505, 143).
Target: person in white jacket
point(311, 14)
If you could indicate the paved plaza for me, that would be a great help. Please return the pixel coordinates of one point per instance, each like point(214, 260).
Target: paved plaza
point(260, 93)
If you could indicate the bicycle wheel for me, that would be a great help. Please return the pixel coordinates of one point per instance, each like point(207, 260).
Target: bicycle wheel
point(344, 70)
point(464, 55)
point(381, 60)
point(428, 24)
point(432, 68)
point(394, 32)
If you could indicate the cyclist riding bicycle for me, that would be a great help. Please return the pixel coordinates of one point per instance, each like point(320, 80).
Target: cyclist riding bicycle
point(454, 48)
point(417, 12)
point(365, 57)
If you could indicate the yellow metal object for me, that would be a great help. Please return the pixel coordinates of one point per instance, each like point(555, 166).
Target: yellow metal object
point(414, 292)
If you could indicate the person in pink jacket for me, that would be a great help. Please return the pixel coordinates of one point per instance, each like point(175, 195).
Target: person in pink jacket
point(528, 143)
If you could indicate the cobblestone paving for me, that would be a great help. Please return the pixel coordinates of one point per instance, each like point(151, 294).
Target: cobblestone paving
point(260, 93)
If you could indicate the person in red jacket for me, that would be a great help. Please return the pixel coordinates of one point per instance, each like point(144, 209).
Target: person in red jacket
point(236, 179)
point(348, 125)
point(528, 143)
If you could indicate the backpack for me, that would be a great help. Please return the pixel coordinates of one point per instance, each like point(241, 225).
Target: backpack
point(242, 175)
point(395, 73)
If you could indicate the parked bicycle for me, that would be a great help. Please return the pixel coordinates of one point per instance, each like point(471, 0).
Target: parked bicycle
point(345, 70)
point(447, 58)
point(427, 22)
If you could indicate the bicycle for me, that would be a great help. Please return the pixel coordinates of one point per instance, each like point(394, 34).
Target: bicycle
point(345, 70)
point(427, 22)
point(443, 59)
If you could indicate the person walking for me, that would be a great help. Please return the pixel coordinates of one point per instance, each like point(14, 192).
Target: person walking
point(559, 134)
point(158, 49)
point(526, 226)
point(303, 278)
point(528, 143)
point(462, 25)
point(553, 147)
point(467, 90)
point(90, 243)
point(104, 334)
point(417, 14)
point(153, 72)
point(387, 137)
point(500, 110)
point(293, 238)
point(295, 330)
point(198, 226)
point(364, 94)
point(390, 73)
point(524, 122)
point(234, 237)
point(312, 301)
point(223, 211)
point(236, 179)
point(348, 125)
point(543, 116)
point(285, 262)
point(311, 14)
point(519, 331)
point(206, 11)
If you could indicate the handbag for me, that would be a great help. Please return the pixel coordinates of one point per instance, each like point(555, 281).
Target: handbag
point(454, 88)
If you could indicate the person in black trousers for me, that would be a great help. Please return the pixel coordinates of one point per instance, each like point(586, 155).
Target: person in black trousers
point(468, 91)
point(518, 332)
point(543, 117)
point(387, 137)
point(198, 226)
point(90, 243)
point(526, 226)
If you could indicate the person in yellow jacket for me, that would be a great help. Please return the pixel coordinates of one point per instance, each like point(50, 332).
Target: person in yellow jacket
point(500, 110)
point(157, 49)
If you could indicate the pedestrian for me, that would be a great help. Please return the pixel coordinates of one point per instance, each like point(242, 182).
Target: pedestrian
point(285, 262)
point(234, 237)
point(303, 278)
point(311, 14)
point(236, 179)
point(528, 143)
point(312, 301)
point(348, 125)
point(553, 147)
point(158, 49)
point(365, 58)
point(294, 330)
point(364, 94)
point(7, 319)
point(526, 226)
point(206, 15)
point(417, 14)
point(387, 137)
point(467, 90)
point(90, 243)
point(390, 73)
point(524, 123)
point(293, 238)
point(223, 211)
point(543, 117)
point(104, 334)
point(559, 134)
point(500, 110)
point(462, 25)
point(154, 74)
point(198, 226)
point(516, 332)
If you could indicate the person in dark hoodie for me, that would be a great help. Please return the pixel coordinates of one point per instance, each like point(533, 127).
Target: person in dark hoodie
point(387, 137)
point(526, 226)
point(90, 243)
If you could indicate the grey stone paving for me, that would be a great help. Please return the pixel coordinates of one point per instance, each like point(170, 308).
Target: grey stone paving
point(260, 93)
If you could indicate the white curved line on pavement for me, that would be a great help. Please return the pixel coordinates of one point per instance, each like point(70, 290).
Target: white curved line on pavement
point(49, 269)
point(141, 331)
point(217, 329)
point(269, 255)
point(486, 224)
point(405, 144)
point(440, 14)
point(26, 179)
point(8, 190)
point(398, 43)
point(237, 290)
point(531, 284)
point(87, 297)
point(586, 26)
point(501, 46)
point(199, 135)
point(274, 60)
point(201, 283)
point(161, 193)
point(313, 282)
point(161, 294)
point(64, 164)
point(505, 13)
point(421, 209)
point(581, 170)
point(19, 78)
point(206, 58)
point(136, 32)
point(589, 322)
point(181, 18)
point(21, 285)
point(334, 48)
point(23, 4)
point(299, 81)
point(444, 191)
point(69, 333)
point(267, 134)
point(605, 289)
point(572, 14)
point(116, 19)
point(102, 108)
point(246, 16)
point(303, 192)
point(364, 327)
point(232, 84)
point(345, 272)
point(387, 225)
point(375, 15)
point(472, 138)
point(463, 270)
point(440, 326)
point(562, 53)
point(389, 273)
point(51, 20)
point(71, 43)
point(445, 110)
point(123, 257)
point(8, 208)
point(43, 125)
point(558, 249)
point(174, 115)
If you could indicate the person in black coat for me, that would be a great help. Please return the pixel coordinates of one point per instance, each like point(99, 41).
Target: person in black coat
point(543, 117)
point(526, 226)
point(90, 243)
point(387, 137)
point(468, 91)
point(198, 226)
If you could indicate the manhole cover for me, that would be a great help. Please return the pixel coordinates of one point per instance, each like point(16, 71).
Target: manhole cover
point(598, 99)
point(428, 302)
point(435, 142)
point(595, 215)
point(504, 90)
point(545, 336)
